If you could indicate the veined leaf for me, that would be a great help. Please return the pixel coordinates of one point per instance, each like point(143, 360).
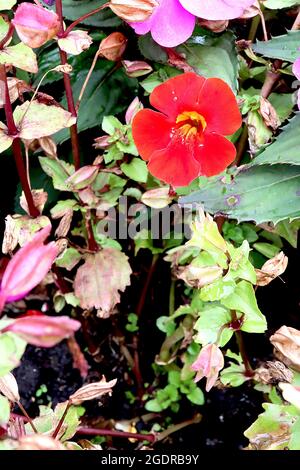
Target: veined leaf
point(260, 193)
point(286, 147)
point(285, 47)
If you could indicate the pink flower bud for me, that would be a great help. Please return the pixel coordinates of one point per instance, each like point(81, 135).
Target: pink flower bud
point(82, 177)
point(136, 68)
point(113, 47)
point(208, 364)
point(132, 109)
point(43, 331)
point(27, 268)
point(35, 25)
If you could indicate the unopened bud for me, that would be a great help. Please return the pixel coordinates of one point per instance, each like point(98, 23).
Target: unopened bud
point(113, 47)
point(133, 11)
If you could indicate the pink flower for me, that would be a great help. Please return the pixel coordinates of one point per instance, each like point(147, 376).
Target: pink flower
point(208, 364)
point(216, 9)
point(296, 72)
point(170, 24)
point(43, 331)
point(35, 25)
point(28, 267)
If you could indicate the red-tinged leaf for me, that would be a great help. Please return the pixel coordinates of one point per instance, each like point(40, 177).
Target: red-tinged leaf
point(92, 391)
point(99, 280)
point(79, 361)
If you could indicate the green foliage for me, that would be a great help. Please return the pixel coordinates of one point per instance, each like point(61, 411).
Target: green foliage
point(276, 185)
point(285, 47)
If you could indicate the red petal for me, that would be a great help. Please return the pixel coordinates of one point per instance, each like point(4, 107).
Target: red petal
point(178, 94)
point(175, 164)
point(215, 155)
point(218, 106)
point(151, 131)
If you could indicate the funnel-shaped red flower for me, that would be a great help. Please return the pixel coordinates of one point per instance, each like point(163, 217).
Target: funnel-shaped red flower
point(186, 138)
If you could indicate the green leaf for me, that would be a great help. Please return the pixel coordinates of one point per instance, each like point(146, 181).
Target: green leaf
point(4, 26)
point(217, 290)
point(196, 396)
point(285, 47)
point(215, 57)
point(260, 193)
point(243, 300)
point(211, 323)
point(4, 410)
point(136, 170)
point(234, 375)
point(294, 443)
point(71, 421)
point(288, 231)
point(7, 4)
point(74, 9)
point(19, 56)
point(266, 249)
point(156, 78)
point(12, 348)
point(58, 170)
point(5, 140)
point(151, 50)
point(283, 103)
point(240, 266)
point(277, 4)
point(285, 148)
point(271, 430)
point(69, 259)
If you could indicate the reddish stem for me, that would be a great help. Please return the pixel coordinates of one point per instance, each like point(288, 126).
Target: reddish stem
point(16, 145)
point(85, 431)
point(69, 92)
point(82, 18)
point(8, 35)
point(92, 244)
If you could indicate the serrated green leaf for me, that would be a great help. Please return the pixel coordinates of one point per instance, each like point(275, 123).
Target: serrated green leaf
point(19, 56)
point(58, 170)
point(285, 47)
point(243, 300)
point(271, 430)
point(285, 148)
point(216, 57)
point(12, 348)
point(136, 170)
point(151, 50)
point(7, 4)
point(211, 323)
point(261, 193)
point(74, 9)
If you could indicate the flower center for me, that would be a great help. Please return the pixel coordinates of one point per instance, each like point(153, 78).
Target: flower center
point(190, 123)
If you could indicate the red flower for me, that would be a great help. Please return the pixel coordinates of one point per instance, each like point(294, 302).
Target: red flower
point(185, 139)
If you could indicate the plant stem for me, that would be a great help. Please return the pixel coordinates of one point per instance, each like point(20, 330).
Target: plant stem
point(27, 416)
point(61, 421)
point(86, 431)
point(92, 244)
point(241, 147)
point(7, 36)
point(82, 18)
point(172, 298)
point(142, 300)
point(69, 92)
point(242, 349)
point(16, 145)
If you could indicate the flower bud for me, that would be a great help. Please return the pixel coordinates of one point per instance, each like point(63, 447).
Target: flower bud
point(35, 25)
point(208, 364)
point(9, 387)
point(132, 109)
point(133, 10)
point(136, 68)
point(82, 177)
point(113, 47)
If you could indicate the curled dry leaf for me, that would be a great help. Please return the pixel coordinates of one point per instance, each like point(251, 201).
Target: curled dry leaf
point(39, 197)
point(47, 144)
point(9, 387)
point(133, 10)
point(75, 42)
point(16, 89)
point(269, 114)
point(215, 26)
point(291, 393)
point(20, 229)
point(64, 224)
point(99, 280)
point(286, 341)
point(273, 372)
point(136, 68)
point(92, 391)
point(113, 47)
point(39, 442)
point(271, 269)
point(199, 276)
point(157, 198)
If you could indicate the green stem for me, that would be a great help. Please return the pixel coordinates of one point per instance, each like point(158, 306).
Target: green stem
point(172, 297)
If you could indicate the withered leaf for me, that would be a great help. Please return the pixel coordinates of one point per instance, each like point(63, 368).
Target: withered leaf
point(99, 280)
point(92, 391)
